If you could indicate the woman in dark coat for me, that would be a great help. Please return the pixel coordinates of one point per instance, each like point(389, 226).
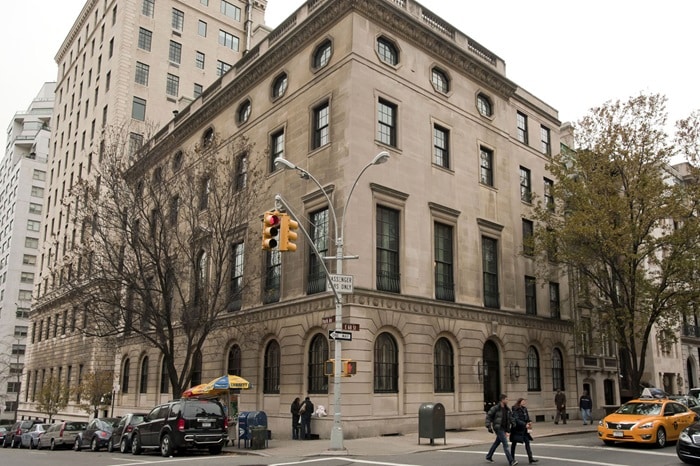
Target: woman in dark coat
point(519, 432)
point(296, 427)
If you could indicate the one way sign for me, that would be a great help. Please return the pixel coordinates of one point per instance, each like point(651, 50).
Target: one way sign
point(336, 335)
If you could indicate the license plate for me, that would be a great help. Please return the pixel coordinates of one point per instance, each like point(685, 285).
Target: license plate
point(618, 433)
point(206, 424)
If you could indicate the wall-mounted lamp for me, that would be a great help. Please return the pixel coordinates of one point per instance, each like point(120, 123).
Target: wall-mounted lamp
point(514, 370)
point(482, 370)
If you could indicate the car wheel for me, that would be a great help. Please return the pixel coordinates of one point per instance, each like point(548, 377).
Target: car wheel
point(16, 444)
point(609, 443)
point(52, 446)
point(76, 445)
point(110, 447)
point(166, 446)
point(31, 444)
point(136, 445)
point(215, 450)
point(661, 437)
point(124, 445)
point(94, 446)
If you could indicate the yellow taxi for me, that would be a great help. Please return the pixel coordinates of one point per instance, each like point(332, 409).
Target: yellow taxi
point(652, 418)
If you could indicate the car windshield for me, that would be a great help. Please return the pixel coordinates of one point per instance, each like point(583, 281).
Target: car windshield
point(646, 409)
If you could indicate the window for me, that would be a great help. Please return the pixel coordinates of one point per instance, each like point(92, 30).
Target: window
point(490, 265)
point(548, 194)
point(222, 67)
point(138, 109)
point(271, 382)
point(236, 285)
point(29, 259)
point(177, 161)
point(533, 370)
point(172, 85)
point(230, 10)
point(175, 52)
point(388, 53)
point(484, 105)
point(545, 141)
point(197, 90)
point(125, 377)
point(443, 367)
point(441, 146)
point(39, 175)
point(242, 171)
point(204, 189)
point(174, 210)
point(143, 381)
point(37, 191)
point(554, 309)
point(21, 331)
point(199, 60)
point(33, 225)
point(440, 81)
point(135, 142)
point(279, 86)
point(318, 354)
point(145, 39)
point(243, 113)
point(322, 55)
point(147, 8)
point(178, 20)
point(386, 364)
point(273, 276)
point(388, 277)
point(142, 71)
point(164, 377)
point(525, 185)
point(318, 231)
point(521, 120)
point(234, 360)
point(202, 28)
point(444, 268)
point(486, 166)
point(228, 40)
point(31, 243)
point(276, 148)
point(24, 295)
point(528, 237)
point(321, 127)
point(557, 370)
point(530, 296)
point(196, 368)
point(386, 128)
point(27, 277)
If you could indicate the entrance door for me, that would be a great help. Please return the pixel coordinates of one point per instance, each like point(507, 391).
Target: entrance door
point(492, 375)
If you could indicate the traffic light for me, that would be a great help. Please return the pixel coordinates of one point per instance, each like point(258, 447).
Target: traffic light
point(329, 368)
point(288, 233)
point(271, 229)
point(349, 367)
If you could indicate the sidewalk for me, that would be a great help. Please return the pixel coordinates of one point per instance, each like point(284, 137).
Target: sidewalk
point(399, 444)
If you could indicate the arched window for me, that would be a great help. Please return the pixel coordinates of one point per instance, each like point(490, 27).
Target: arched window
point(271, 382)
point(279, 86)
point(177, 161)
point(386, 364)
point(557, 370)
point(143, 381)
point(234, 360)
point(164, 377)
point(196, 369)
point(318, 354)
point(533, 370)
point(244, 110)
point(483, 104)
point(125, 377)
point(322, 55)
point(388, 52)
point(208, 137)
point(440, 81)
point(444, 367)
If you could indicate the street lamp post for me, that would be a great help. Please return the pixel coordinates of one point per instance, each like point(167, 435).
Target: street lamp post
point(337, 430)
point(19, 381)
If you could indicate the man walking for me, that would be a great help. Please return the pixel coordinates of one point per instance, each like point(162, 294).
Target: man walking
point(586, 405)
point(560, 403)
point(498, 421)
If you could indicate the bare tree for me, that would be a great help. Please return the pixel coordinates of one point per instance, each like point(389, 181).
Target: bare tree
point(52, 397)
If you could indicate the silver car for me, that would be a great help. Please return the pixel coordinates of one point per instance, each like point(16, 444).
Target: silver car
point(30, 438)
point(61, 435)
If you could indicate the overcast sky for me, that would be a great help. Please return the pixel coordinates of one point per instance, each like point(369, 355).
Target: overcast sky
point(572, 55)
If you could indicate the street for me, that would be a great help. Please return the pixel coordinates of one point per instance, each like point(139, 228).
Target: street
point(568, 450)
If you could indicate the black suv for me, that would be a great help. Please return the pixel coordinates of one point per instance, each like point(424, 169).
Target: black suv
point(13, 437)
point(182, 424)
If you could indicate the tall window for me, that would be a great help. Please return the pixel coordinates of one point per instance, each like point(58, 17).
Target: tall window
point(228, 40)
point(486, 166)
point(172, 85)
point(196, 368)
point(322, 54)
point(125, 377)
point(318, 230)
point(533, 370)
point(545, 141)
point(386, 364)
point(242, 171)
point(530, 296)
point(174, 210)
point(198, 88)
point(554, 308)
point(444, 367)
point(148, 7)
point(521, 122)
point(525, 185)
point(175, 52)
point(441, 146)
point(557, 370)
point(321, 127)
point(164, 377)
point(236, 287)
point(234, 360)
point(548, 194)
point(200, 277)
point(204, 190)
point(386, 127)
point(230, 10)
point(387, 50)
point(490, 265)
point(271, 381)
point(276, 148)
point(273, 276)
point(444, 269)
point(388, 276)
point(138, 109)
point(318, 354)
point(199, 58)
point(142, 70)
point(178, 20)
point(202, 28)
point(528, 237)
point(222, 67)
point(145, 39)
point(143, 382)
point(440, 81)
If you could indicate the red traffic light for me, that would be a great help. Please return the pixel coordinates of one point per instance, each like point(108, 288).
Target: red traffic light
point(270, 233)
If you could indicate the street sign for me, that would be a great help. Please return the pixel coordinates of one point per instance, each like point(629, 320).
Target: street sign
point(328, 320)
point(351, 327)
point(342, 283)
point(336, 335)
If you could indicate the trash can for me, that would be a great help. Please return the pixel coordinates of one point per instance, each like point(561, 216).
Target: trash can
point(431, 422)
point(258, 438)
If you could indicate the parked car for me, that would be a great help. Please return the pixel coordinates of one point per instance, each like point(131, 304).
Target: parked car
point(690, 401)
point(121, 436)
point(687, 447)
point(3, 432)
point(61, 435)
point(648, 419)
point(694, 392)
point(13, 436)
point(97, 434)
point(30, 438)
point(180, 425)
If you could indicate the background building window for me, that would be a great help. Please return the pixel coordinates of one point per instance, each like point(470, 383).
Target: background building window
point(444, 367)
point(525, 185)
point(530, 296)
point(554, 306)
point(386, 127)
point(545, 141)
point(533, 370)
point(490, 271)
point(138, 109)
point(228, 40)
point(276, 148)
point(321, 127)
point(440, 81)
point(386, 364)
point(388, 276)
point(236, 286)
point(279, 87)
point(244, 110)
point(322, 55)
point(178, 20)
point(441, 146)
point(164, 378)
point(486, 166)
point(444, 269)
point(142, 71)
point(271, 382)
point(318, 354)
point(388, 52)
point(147, 8)
point(143, 383)
point(483, 105)
point(557, 370)
point(196, 369)
point(172, 85)
point(234, 360)
point(318, 231)
point(528, 237)
point(521, 120)
point(199, 60)
point(145, 39)
point(125, 377)
point(230, 10)
point(175, 52)
point(202, 28)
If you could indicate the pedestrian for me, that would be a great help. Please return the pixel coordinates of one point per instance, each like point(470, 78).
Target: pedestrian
point(560, 403)
point(296, 424)
point(498, 421)
point(520, 432)
point(585, 404)
point(306, 410)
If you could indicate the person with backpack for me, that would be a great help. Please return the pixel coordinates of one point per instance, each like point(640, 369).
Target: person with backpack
point(498, 421)
point(306, 410)
point(520, 432)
